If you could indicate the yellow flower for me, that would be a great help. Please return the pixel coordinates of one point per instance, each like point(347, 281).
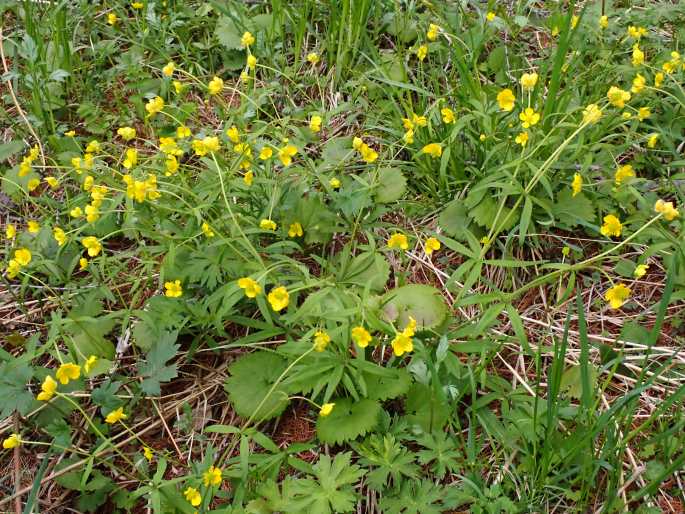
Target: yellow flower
point(215, 86)
point(603, 22)
point(506, 99)
point(137, 5)
point(70, 133)
point(490, 16)
point(126, 133)
point(212, 476)
point(10, 231)
point(433, 31)
point(33, 184)
point(251, 62)
point(178, 86)
point(529, 117)
point(207, 230)
point(250, 286)
point(643, 113)
point(312, 58)
point(636, 32)
point(402, 344)
point(432, 149)
point(522, 139)
point(626, 115)
point(574, 21)
point(193, 496)
point(13, 268)
point(115, 415)
point(321, 340)
point(168, 69)
point(623, 173)
point(267, 224)
point(247, 39)
point(406, 123)
point(76, 212)
point(577, 184)
point(668, 67)
point(398, 240)
point(211, 143)
point(92, 244)
point(92, 213)
point(173, 289)
point(432, 245)
point(640, 270)
point(335, 183)
point(147, 453)
point(47, 389)
point(68, 371)
point(447, 115)
point(22, 256)
point(59, 236)
point(408, 137)
point(357, 143)
point(286, 154)
point(266, 153)
point(33, 227)
point(326, 409)
point(295, 230)
point(52, 182)
point(112, 19)
point(83, 263)
point(638, 55)
point(154, 105)
point(90, 362)
point(131, 158)
point(361, 336)
point(248, 178)
point(315, 123)
point(611, 227)
point(182, 132)
point(667, 209)
point(422, 52)
point(171, 164)
point(528, 81)
point(618, 97)
point(278, 298)
point(93, 146)
point(639, 83)
point(368, 154)
point(617, 295)
point(652, 140)
point(12, 441)
point(658, 79)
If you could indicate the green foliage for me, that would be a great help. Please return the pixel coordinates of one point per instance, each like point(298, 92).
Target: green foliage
point(421, 302)
point(348, 420)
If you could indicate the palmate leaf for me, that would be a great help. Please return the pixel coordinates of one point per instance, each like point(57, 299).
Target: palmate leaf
point(390, 461)
point(348, 420)
point(252, 377)
point(572, 210)
point(416, 498)
point(422, 302)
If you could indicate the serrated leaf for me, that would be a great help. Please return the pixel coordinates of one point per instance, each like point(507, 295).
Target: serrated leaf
point(154, 368)
point(382, 387)
point(391, 185)
point(485, 211)
point(573, 210)
point(454, 219)
point(348, 420)
point(252, 377)
point(228, 33)
point(422, 302)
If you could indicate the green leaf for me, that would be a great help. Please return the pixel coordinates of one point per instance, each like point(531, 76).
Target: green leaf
point(7, 150)
point(154, 368)
point(228, 34)
point(391, 185)
point(14, 395)
point(425, 409)
point(573, 210)
point(252, 377)
point(391, 462)
point(422, 302)
point(348, 420)
point(367, 269)
point(384, 387)
point(571, 381)
point(483, 210)
point(454, 219)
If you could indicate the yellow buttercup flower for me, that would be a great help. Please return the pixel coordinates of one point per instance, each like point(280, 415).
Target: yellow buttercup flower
point(248, 178)
point(70, 133)
point(658, 79)
point(92, 213)
point(433, 32)
point(422, 52)
point(312, 58)
point(52, 182)
point(398, 240)
point(250, 286)
point(22, 256)
point(408, 137)
point(368, 154)
point(126, 133)
point(215, 86)
point(639, 83)
point(182, 132)
point(617, 295)
point(638, 55)
point(206, 230)
point(267, 224)
point(335, 183)
point(528, 81)
point(402, 343)
point(447, 115)
point(612, 226)
point(168, 69)
point(577, 184)
point(636, 32)
point(76, 212)
point(33, 184)
point(618, 97)
point(59, 236)
point(278, 298)
point(668, 68)
point(112, 19)
point(603, 22)
point(652, 140)
point(321, 340)
point(12, 441)
point(666, 208)
point(10, 231)
point(47, 389)
point(286, 154)
point(574, 21)
point(247, 39)
point(643, 113)
point(326, 409)
point(251, 62)
point(506, 99)
point(68, 371)
point(33, 227)
point(432, 149)
point(115, 416)
point(623, 172)
point(212, 476)
point(315, 123)
point(361, 336)
point(529, 117)
point(295, 230)
point(92, 244)
point(233, 134)
point(147, 453)
point(640, 270)
point(90, 362)
point(490, 16)
point(173, 289)
point(154, 105)
point(137, 5)
point(13, 268)
point(432, 245)
point(131, 158)
point(265, 153)
point(522, 139)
